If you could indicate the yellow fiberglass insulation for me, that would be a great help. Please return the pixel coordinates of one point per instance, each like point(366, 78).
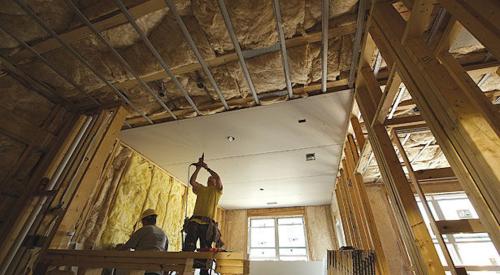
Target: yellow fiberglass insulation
point(129, 200)
point(175, 216)
point(145, 185)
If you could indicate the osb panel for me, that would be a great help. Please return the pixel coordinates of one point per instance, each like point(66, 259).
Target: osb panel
point(10, 150)
point(389, 237)
point(22, 102)
point(236, 230)
point(319, 229)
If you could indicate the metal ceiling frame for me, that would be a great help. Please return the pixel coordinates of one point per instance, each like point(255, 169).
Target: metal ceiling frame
point(157, 55)
point(237, 48)
point(46, 62)
point(284, 55)
point(86, 21)
point(325, 17)
point(356, 49)
point(280, 45)
point(120, 94)
point(194, 48)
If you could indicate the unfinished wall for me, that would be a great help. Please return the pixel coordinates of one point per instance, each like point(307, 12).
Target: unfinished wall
point(130, 185)
point(236, 230)
point(389, 236)
point(318, 222)
point(320, 232)
point(29, 126)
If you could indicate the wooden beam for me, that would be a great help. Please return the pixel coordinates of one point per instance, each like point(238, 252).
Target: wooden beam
point(441, 186)
point(435, 174)
point(480, 17)
point(343, 211)
point(274, 212)
point(390, 92)
point(358, 133)
point(471, 89)
point(461, 129)
point(405, 121)
point(460, 226)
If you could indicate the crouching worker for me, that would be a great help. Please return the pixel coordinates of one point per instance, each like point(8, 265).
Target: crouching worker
point(202, 226)
point(148, 237)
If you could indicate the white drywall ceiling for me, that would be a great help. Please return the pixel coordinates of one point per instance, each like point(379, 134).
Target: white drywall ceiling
point(269, 150)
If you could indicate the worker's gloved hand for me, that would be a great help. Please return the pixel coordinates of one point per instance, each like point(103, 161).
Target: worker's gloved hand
point(200, 163)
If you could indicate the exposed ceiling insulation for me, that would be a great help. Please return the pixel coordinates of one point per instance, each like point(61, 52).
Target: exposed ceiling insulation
point(254, 23)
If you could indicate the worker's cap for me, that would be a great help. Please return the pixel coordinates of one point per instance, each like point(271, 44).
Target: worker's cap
point(148, 212)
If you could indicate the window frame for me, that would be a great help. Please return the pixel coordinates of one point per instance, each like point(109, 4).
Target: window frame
point(451, 240)
point(277, 247)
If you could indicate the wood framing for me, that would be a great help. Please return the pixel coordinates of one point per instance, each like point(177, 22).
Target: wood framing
point(460, 226)
point(480, 17)
point(467, 139)
point(359, 223)
point(425, 204)
point(109, 133)
point(394, 177)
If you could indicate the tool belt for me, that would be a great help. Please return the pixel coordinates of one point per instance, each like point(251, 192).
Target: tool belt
point(213, 233)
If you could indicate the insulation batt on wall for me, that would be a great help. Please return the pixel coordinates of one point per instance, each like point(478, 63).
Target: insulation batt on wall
point(140, 184)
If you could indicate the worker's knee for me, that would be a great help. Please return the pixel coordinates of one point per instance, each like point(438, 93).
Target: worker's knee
point(189, 246)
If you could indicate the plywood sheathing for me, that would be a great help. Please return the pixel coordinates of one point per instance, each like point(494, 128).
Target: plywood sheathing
point(320, 233)
point(254, 25)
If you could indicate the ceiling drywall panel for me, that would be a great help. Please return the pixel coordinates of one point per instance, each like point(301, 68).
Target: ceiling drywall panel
point(269, 150)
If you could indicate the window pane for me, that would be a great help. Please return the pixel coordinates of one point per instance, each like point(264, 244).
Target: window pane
point(262, 237)
point(291, 236)
point(261, 222)
point(293, 252)
point(457, 209)
point(290, 221)
point(262, 253)
point(293, 258)
point(483, 253)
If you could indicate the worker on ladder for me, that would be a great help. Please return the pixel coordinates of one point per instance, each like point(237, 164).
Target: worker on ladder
point(202, 225)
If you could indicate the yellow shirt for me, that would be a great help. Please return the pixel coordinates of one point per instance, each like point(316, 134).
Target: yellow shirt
point(207, 199)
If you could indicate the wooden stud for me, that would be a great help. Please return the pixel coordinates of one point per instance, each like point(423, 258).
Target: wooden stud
point(358, 132)
point(460, 226)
